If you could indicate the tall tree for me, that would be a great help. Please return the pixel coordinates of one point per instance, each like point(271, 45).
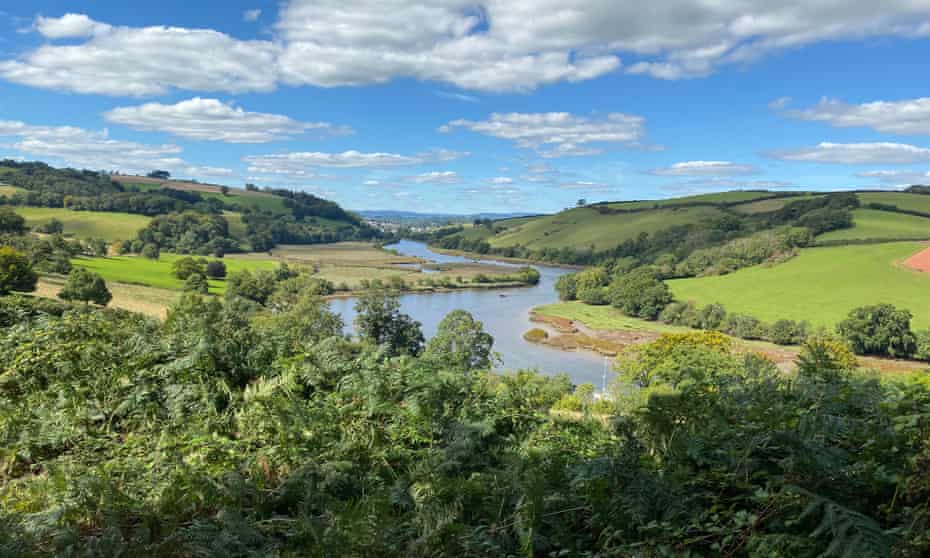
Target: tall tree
point(16, 273)
point(85, 286)
point(461, 342)
point(380, 321)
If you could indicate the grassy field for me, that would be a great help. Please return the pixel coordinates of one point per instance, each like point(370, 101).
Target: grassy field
point(820, 285)
point(6, 190)
point(901, 200)
point(765, 206)
point(136, 270)
point(135, 298)
point(83, 224)
point(604, 317)
point(873, 224)
point(237, 197)
point(582, 227)
point(735, 196)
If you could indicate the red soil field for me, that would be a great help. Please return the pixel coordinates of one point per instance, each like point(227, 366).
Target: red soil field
point(919, 261)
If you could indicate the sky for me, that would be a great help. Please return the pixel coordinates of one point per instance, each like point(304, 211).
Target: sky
point(462, 106)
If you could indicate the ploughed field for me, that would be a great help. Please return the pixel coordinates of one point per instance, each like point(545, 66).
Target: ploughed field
point(820, 285)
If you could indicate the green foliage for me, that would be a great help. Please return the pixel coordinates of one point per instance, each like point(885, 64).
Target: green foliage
point(16, 273)
point(232, 430)
point(10, 222)
point(190, 233)
point(183, 268)
point(215, 269)
point(196, 283)
point(85, 286)
point(640, 293)
point(881, 329)
point(151, 251)
point(379, 320)
point(461, 343)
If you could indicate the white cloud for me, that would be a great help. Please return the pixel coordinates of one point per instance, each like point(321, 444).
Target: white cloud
point(434, 177)
point(856, 153)
point(706, 168)
point(141, 61)
point(907, 117)
point(897, 177)
point(82, 148)
point(501, 180)
point(213, 120)
point(482, 45)
point(69, 26)
point(557, 134)
point(251, 15)
point(301, 164)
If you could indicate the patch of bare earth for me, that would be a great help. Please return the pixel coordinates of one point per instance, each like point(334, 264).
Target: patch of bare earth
point(919, 261)
point(134, 298)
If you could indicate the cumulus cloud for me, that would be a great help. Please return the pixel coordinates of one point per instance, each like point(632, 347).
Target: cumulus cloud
point(483, 45)
point(251, 15)
point(89, 149)
point(142, 61)
point(302, 163)
point(69, 26)
point(907, 117)
point(856, 153)
point(897, 177)
point(706, 168)
point(557, 134)
point(500, 180)
point(434, 177)
point(213, 120)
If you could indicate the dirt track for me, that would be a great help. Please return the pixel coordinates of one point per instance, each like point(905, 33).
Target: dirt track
point(919, 261)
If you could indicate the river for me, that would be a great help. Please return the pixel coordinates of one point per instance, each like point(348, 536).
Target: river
point(505, 313)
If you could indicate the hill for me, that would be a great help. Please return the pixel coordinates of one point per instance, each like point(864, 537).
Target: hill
point(242, 218)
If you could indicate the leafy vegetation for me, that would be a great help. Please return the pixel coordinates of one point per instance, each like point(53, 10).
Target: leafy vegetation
point(230, 431)
point(85, 286)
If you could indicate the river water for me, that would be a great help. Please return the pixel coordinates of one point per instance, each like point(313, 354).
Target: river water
point(505, 313)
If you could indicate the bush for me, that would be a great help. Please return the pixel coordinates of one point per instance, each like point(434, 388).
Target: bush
point(151, 251)
point(16, 273)
point(567, 287)
point(881, 330)
point(640, 294)
point(745, 327)
point(789, 332)
point(712, 317)
point(187, 266)
point(596, 296)
point(54, 226)
point(85, 286)
point(11, 222)
point(197, 283)
point(215, 269)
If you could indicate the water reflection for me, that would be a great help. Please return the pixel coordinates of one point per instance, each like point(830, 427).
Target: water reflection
point(505, 313)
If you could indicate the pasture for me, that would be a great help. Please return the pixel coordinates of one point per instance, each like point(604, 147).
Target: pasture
point(821, 285)
point(87, 224)
point(583, 227)
point(136, 270)
point(873, 224)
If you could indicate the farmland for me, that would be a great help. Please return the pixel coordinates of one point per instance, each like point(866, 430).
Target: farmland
point(584, 227)
point(871, 224)
point(87, 224)
point(821, 285)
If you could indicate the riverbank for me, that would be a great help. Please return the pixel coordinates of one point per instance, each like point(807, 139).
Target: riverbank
point(579, 326)
point(496, 258)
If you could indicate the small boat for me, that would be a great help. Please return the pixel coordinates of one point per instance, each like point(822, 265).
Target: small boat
point(502, 295)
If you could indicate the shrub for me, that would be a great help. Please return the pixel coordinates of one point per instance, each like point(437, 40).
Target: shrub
point(789, 332)
point(712, 316)
point(16, 273)
point(187, 266)
point(85, 286)
point(151, 251)
point(11, 222)
point(640, 293)
point(567, 287)
point(881, 329)
point(197, 283)
point(54, 226)
point(596, 296)
point(215, 269)
point(745, 327)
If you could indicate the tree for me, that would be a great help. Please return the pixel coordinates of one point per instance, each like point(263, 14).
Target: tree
point(85, 286)
point(187, 266)
point(215, 269)
point(640, 294)
point(461, 342)
point(53, 226)
point(581, 202)
point(380, 321)
point(881, 329)
point(224, 190)
point(196, 283)
point(159, 174)
point(16, 273)
point(151, 251)
point(11, 222)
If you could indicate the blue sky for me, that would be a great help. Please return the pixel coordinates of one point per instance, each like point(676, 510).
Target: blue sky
point(475, 105)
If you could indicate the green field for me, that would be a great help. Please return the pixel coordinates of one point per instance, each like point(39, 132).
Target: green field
point(582, 227)
point(87, 224)
point(820, 285)
point(735, 196)
point(136, 270)
point(604, 317)
point(873, 224)
point(901, 200)
point(6, 190)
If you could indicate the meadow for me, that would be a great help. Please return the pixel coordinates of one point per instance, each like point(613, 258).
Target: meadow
point(87, 224)
point(901, 200)
point(821, 285)
point(136, 270)
point(873, 224)
point(583, 227)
